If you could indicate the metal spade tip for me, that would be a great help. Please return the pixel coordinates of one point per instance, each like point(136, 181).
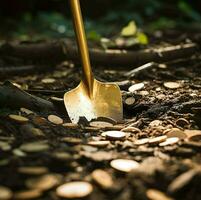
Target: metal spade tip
point(105, 101)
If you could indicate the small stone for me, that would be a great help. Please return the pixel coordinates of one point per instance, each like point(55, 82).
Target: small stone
point(175, 132)
point(172, 85)
point(157, 140)
point(169, 141)
point(5, 193)
point(102, 178)
point(115, 135)
point(55, 119)
point(154, 194)
point(136, 87)
point(124, 165)
point(130, 101)
point(27, 194)
point(18, 118)
point(99, 143)
point(74, 190)
point(44, 182)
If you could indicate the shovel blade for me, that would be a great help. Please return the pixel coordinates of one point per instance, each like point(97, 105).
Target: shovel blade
point(105, 101)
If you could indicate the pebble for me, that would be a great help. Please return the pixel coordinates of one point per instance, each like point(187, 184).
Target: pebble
point(74, 190)
point(172, 85)
point(55, 119)
point(136, 87)
point(18, 118)
point(102, 178)
point(5, 193)
point(115, 135)
point(169, 141)
point(124, 165)
point(157, 140)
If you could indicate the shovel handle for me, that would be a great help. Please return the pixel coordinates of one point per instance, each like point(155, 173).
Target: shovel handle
point(82, 43)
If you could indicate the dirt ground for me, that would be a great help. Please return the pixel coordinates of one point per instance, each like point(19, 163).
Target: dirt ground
point(161, 127)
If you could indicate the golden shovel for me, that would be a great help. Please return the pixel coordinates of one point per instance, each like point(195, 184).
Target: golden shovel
point(91, 98)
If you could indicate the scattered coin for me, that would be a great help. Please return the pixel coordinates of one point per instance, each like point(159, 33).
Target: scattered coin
point(48, 80)
point(18, 118)
point(157, 140)
point(172, 85)
point(5, 146)
point(102, 178)
point(55, 119)
point(182, 122)
point(100, 124)
point(99, 143)
point(155, 123)
point(26, 111)
point(44, 182)
point(70, 125)
point(39, 120)
point(169, 141)
point(5, 193)
point(71, 140)
point(131, 129)
point(33, 170)
point(115, 135)
point(136, 87)
point(27, 194)
point(74, 190)
point(34, 147)
point(193, 135)
point(154, 194)
point(130, 101)
point(175, 132)
point(141, 141)
point(124, 165)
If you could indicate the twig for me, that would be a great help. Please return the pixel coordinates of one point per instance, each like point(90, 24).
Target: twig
point(62, 50)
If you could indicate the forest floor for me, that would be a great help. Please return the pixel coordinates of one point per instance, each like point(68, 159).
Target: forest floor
point(156, 150)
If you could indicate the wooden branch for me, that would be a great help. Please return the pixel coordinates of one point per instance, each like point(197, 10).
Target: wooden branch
point(12, 97)
point(63, 50)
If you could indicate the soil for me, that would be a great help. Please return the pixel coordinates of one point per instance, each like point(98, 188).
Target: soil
point(167, 104)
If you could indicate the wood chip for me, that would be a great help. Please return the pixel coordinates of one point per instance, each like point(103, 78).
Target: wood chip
point(172, 85)
point(44, 182)
point(136, 87)
point(55, 119)
point(153, 194)
point(175, 132)
point(169, 141)
point(99, 143)
point(74, 190)
point(124, 165)
point(18, 118)
point(157, 140)
point(5, 193)
point(102, 178)
point(100, 124)
point(27, 194)
point(115, 135)
point(33, 170)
